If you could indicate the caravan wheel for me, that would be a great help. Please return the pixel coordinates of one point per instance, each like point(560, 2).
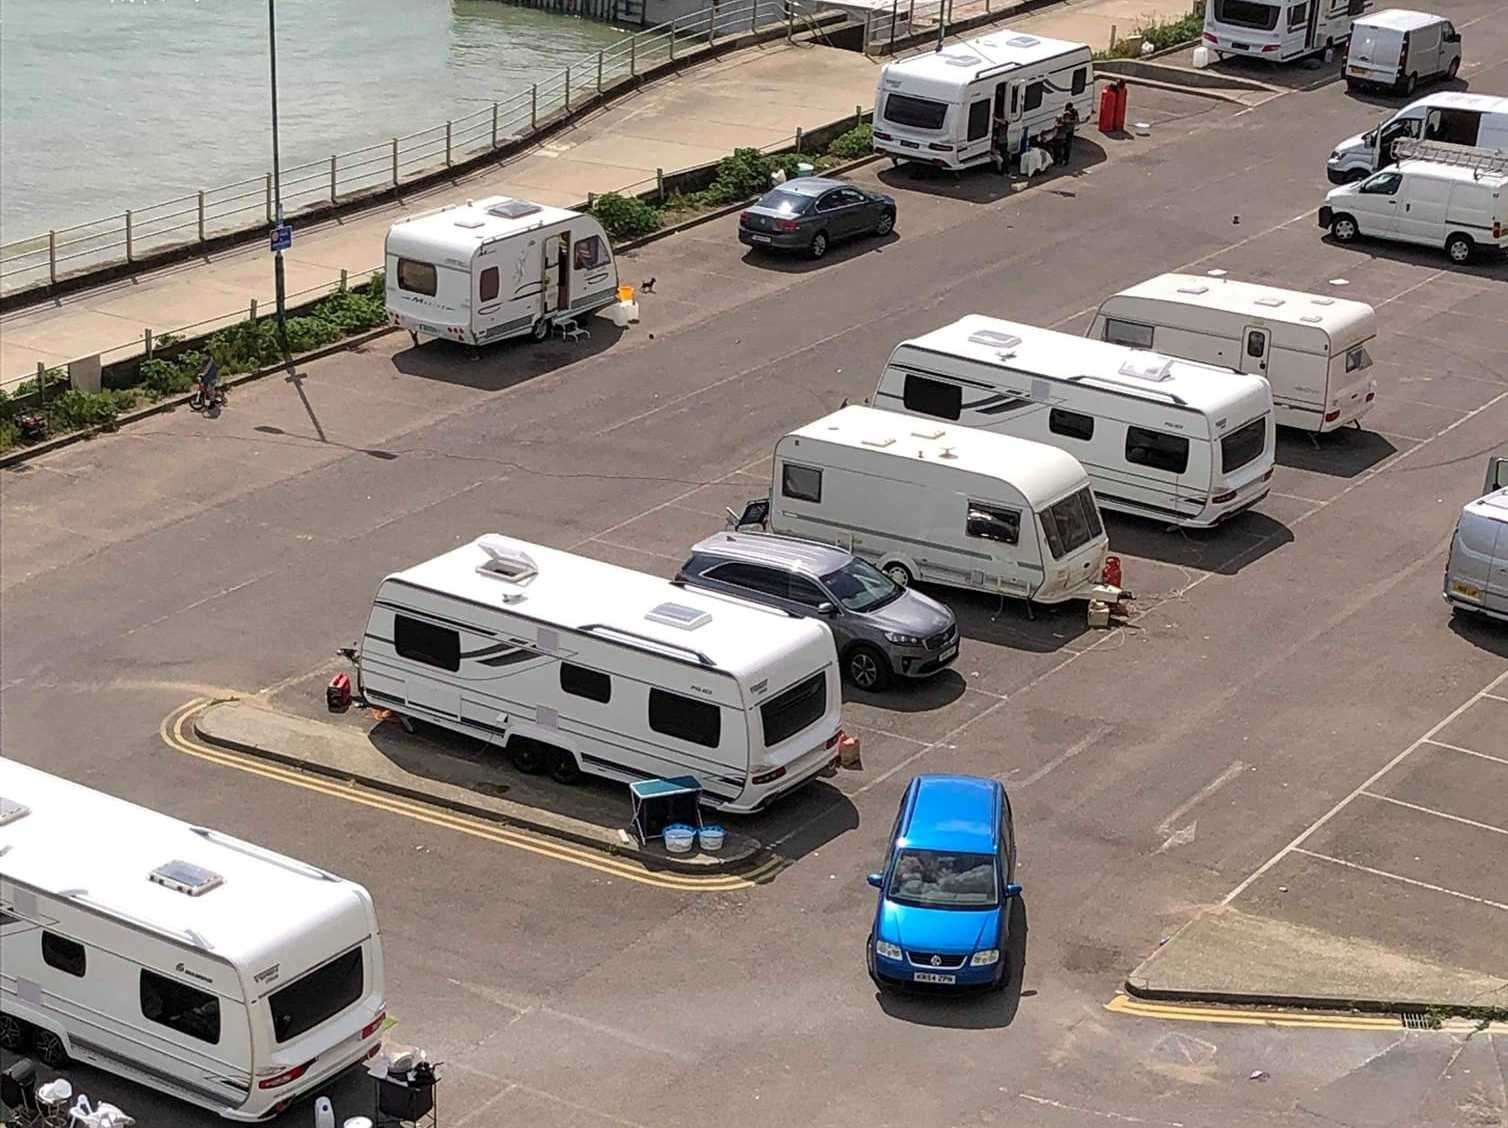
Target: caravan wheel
point(899, 573)
point(541, 330)
point(49, 1049)
point(563, 767)
point(527, 756)
point(12, 1033)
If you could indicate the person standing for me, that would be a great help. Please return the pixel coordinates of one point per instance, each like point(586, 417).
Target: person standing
point(1068, 121)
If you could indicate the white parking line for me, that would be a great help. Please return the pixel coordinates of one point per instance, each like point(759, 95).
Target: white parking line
point(1405, 880)
point(1468, 751)
point(1496, 697)
point(1399, 435)
point(1439, 814)
point(1364, 786)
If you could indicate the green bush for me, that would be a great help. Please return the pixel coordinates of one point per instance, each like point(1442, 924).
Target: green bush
point(75, 410)
point(10, 436)
point(857, 142)
point(626, 217)
point(353, 310)
point(162, 378)
point(743, 174)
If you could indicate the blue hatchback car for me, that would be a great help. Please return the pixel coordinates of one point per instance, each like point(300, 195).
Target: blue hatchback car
point(944, 909)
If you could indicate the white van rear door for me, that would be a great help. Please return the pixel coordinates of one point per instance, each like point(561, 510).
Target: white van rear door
point(1473, 554)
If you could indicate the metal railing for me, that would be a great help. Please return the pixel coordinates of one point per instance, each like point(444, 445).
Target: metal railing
point(246, 205)
point(888, 23)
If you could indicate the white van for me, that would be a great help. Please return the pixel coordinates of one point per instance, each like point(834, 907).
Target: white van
point(572, 665)
point(1455, 198)
point(1396, 48)
point(945, 505)
point(491, 269)
point(1476, 571)
point(1456, 118)
point(1278, 30)
point(1169, 439)
point(188, 961)
point(957, 107)
point(1312, 348)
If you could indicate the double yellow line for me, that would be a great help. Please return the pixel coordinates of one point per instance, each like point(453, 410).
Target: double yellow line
point(177, 734)
point(1178, 1012)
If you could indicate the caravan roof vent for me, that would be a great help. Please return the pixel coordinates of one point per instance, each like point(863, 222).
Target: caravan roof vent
point(994, 339)
point(1196, 288)
point(185, 877)
point(1148, 366)
point(11, 811)
point(679, 615)
point(513, 209)
point(1022, 41)
point(1270, 303)
point(881, 441)
point(961, 58)
point(470, 222)
point(929, 435)
point(1312, 318)
point(1322, 301)
point(506, 560)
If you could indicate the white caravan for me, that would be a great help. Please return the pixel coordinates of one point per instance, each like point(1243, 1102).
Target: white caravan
point(1396, 48)
point(945, 505)
point(1170, 439)
point(191, 962)
point(1476, 571)
point(1453, 117)
point(1312, 348)
point(491, 269)
point(1278, 30)
point(955, 107)
point(572, 665)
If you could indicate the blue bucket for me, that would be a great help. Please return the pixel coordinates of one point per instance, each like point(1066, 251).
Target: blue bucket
point(711, 838)
point(679, 838)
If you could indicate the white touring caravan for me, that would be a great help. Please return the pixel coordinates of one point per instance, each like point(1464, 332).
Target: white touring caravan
point(945, 505)
point(1278, 30)
point(1312, 348)
point(573, 665)
point(1395, 48)
point(1451, 116)
point(188, 961)
point(956, 107)
point(1169, 439)
point(491, 269)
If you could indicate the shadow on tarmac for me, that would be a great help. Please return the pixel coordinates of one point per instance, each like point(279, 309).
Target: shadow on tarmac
point(987, 1010)
point(1340, 454)
point(1226, 549)
point(984, 185)
point(492, 368)
point(1482, 632)
point(1482, 265)
point(911, 695)
point(795, 262)
point(1389, 102)
point(1015, 624)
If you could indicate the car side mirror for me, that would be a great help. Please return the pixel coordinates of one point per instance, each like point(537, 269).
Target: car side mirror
point(1013, 890)
point(827, 609)
point(876, 879)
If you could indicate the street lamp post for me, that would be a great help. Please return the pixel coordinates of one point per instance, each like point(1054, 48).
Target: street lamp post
point(277, 185)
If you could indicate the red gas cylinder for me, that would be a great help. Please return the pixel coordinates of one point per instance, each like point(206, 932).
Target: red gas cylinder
point(338, 693)
point(1112, 572)
point(1122, 92)
point(1108, 102)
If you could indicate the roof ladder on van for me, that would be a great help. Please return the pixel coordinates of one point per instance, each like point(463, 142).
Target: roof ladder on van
point(1459, 156)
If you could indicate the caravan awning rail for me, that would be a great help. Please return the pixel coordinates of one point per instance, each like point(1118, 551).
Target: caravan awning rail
point(649, 642)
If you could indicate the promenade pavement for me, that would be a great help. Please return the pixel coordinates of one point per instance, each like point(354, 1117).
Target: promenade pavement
point(758, 96)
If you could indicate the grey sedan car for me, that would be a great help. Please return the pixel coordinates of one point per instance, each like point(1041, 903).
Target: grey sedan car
point(882, 630)
point(810, 213)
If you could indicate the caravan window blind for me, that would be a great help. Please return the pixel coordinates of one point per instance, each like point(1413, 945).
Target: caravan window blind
point(418, 277)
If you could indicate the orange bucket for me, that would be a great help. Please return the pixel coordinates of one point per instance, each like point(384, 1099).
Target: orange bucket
point(625, 293)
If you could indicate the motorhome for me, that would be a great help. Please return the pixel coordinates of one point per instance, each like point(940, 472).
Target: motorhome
point(1169, 439)
point(1476, 570)
point(1313, 349)
point(1437, 195)
point(572, 665)
point(1451, 116)
point(190, 962)
point(1278, 30)
point(947, 505)
point(958, 107)
point(487, 270)
point(1396, 48)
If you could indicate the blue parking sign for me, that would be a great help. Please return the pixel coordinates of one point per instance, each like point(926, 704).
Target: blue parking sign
point(282, 237)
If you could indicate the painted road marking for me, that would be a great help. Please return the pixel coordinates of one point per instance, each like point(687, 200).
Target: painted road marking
point(1399, 877)
point(1298, 1019)
point(1437, 814)
point(175, 734)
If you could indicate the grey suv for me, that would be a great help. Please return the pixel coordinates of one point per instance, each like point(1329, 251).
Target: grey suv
point(881, 629)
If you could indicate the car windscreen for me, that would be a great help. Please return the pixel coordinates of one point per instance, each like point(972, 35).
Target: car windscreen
point(1071, 523)
point(1243, 445)
point(918, 113)
point(860, 586)
point(795, 709)
point(941, 879)
point(786, 203)
point(320, 995)
point(1247, 13)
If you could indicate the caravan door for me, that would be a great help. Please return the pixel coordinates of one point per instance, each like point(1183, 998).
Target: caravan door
point(1256, 343)
point(593, 275)
point(557, 272)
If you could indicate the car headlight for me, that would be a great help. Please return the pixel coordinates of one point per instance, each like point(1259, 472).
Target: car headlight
point(985, 957)
point(888, 950)
point(1335, 156)
point(903, 639)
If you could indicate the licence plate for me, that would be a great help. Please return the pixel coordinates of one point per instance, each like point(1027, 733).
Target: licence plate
point(948, 653)
point(1471, 591)
point(910, 145)
point(1241, 46)
point(760, 238)
point(933, 977)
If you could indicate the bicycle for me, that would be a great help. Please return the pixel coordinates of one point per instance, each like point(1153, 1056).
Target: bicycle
point(26, 1105)
point(208, 395)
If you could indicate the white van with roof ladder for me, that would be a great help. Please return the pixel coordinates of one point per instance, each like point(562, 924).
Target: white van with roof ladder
point(573, 665)
point(1312, 348)
point(1170, 439)
point(188, 961)
point(487, 270)
point(957, 107)
point(947, 505)
point(1278, 30)
point(1453, 117)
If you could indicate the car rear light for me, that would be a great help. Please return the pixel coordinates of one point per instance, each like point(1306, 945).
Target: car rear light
point(1497, 229)
point(1209, 38)
point(940, 147)
point(746, 220)
point(768, 777)
point(881, 135)
point(277, 1081)
point(1221, 499)
point(787, 225)
point(1269, 47)
point(1332, 416)
point(375, 1025)
point(832, 741)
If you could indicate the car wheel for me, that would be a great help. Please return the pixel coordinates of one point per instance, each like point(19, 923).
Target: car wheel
point(541, 330)
point(527, 757)
point(1450, 71)
point(49, 1049)
point(867, 668)
point(1410, 84)
point(564, 768)
point(819, 245)
point(1459, 248)
point(13, 1033)
point(886, 224)
point(899, 573)
point(1343, 227)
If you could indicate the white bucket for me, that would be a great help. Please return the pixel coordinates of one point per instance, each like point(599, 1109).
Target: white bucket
point(679, 838)
point(711, 838)
point(804, 169)
point(1201, 57)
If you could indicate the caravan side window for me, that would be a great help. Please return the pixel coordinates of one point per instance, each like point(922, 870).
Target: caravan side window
point(487, 285)
point(979, 119)
point(932, 397)
point(1034, 94)
point(62, 953)
point(1132, 334)
point(417, 277)
point(180, 1007)
point(591, 253)
point(1157, 450)
point(1080, 80)
point(992, 522)
point(578, 681)
point(804, 483)
point(1070, 424)
point(685, 718)
point(425, 642)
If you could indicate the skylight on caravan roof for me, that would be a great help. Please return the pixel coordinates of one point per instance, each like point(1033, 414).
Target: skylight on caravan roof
point(505, 560)
point(11, 811)
point(1270, 303)
point(1022, 41)
point(679, 615)
point(513, 209)
point(1148, 366)
point(993, 338)
point(185, 877)
point(961, 58)
point(470, 222)
point(1196, 288)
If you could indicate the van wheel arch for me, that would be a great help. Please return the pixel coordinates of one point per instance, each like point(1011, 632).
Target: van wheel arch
point(1459, 246)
